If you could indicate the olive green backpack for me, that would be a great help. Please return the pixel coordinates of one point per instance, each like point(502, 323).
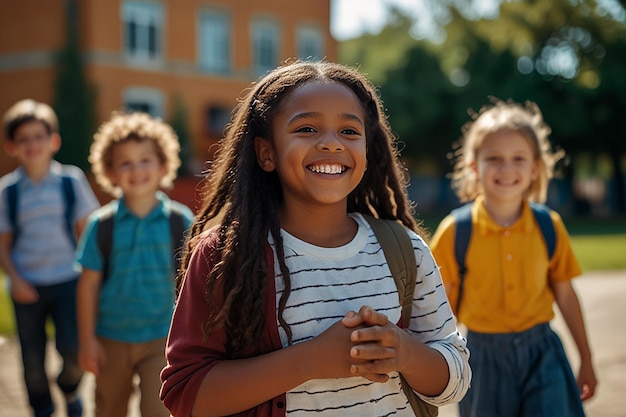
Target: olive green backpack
point(400, 256)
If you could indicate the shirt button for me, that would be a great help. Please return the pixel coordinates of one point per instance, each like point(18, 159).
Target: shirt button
point(280, 404)
point(507, 233)
point(509, 257)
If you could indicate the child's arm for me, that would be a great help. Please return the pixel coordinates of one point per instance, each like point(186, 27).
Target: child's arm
point(79, 227)
point(569, 305)
point(90, 354)
point(237, 385)
point(437, 359)
point(21, 290)
point(201, 380)
point(385, 347)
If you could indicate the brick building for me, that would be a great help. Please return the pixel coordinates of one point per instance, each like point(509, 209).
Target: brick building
point(150, 54)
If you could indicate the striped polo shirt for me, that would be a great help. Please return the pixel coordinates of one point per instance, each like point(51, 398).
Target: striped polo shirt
point(44, 253)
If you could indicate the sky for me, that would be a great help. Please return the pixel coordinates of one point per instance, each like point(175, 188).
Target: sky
point(350, 18)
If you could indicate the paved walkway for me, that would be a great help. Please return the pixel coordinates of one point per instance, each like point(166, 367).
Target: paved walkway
point(602, 294)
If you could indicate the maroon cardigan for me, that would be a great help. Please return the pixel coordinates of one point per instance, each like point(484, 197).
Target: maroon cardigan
point(190, 355)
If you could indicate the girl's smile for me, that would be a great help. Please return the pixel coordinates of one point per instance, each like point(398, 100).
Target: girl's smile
point(505, 166)
point(328, 169)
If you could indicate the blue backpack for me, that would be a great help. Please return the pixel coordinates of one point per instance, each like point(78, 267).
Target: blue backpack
point(68, 197)
point(463, 221)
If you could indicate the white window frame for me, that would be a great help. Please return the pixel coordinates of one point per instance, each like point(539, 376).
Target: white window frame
point(214, 41)
point(265, 45)
point(145, 15)
point(153, 97)
point(310, 43)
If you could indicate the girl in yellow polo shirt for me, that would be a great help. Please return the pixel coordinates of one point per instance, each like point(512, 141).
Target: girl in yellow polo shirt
point(519, 366)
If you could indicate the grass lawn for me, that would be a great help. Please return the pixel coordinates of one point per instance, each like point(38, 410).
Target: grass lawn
point(598, 244)
point(6, 310)
point(600, 252)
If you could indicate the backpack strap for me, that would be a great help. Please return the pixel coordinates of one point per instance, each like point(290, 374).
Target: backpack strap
point(400, 255)
point(542, 216)
point(178, 234)
point(69, 198)
point(463, 232)
point(463, 221)
point(70, 203)
point(12, 207)
point(105, 235)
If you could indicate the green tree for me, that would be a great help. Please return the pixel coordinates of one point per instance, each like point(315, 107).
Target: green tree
point(417, 103)
point(375, 54)
point(568, 56)
point(74, 97)
point(179, 124)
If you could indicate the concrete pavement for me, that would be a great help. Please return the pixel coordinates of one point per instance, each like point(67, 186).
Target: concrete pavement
point(602, 295)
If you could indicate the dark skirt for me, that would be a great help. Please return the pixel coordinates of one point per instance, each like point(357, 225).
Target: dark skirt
point(520, 375)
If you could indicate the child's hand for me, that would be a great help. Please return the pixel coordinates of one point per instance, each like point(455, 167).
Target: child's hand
point(377, 343)
point(91, 356)
point(331, 353)
point(586, 381)
point(23, 292)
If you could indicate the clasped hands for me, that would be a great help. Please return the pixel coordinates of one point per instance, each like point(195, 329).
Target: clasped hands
point(363, 343)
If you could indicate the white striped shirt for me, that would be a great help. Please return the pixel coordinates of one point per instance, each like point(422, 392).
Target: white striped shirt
point(327, 283)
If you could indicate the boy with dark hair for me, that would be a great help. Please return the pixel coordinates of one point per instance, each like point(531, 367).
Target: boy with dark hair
point(43, 209)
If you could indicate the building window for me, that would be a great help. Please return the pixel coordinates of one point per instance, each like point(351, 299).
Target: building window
point(214, 42)
point(310, 43)
point(265, 36)
point(143, 29)
point(147, 100)
point(216, 119)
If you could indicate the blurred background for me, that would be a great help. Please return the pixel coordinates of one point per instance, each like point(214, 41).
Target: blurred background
point(433, 61)
point(187, 62)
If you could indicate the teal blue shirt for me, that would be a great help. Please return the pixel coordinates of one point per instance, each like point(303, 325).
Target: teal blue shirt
point(137, 298)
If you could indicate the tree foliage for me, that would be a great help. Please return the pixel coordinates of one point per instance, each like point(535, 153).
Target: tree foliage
point(180, 125)
point(568, 56)
point(74, 97)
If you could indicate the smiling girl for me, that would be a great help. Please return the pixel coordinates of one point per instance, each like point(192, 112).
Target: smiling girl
point(510, 282)
point(287, 304)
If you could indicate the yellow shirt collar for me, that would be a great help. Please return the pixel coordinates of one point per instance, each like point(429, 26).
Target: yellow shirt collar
point(487, 225)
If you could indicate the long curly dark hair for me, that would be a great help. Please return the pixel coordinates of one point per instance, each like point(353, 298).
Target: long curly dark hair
point(243, 200)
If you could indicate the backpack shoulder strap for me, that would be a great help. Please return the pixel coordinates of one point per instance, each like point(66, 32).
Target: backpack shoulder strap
point(69, 199)
point(177, 234)
point(462, 235)
point(463, 221)
point(12, 196)
point(400, 256)
point(542, 216)
point(70, 202)
point(105, 236)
